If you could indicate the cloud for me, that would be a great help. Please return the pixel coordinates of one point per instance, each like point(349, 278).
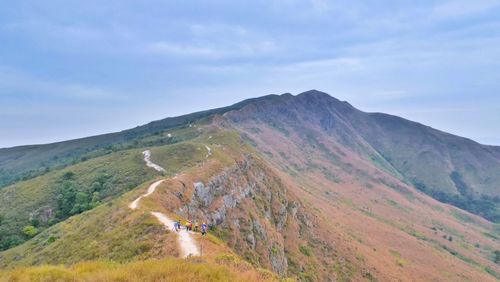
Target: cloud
point(47, 29)
point(174, 49)
point(463, 8)
point(210, 50)
point(342, 63)
point(17, 83)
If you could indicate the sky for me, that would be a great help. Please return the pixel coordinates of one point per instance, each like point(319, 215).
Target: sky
point(71, 69)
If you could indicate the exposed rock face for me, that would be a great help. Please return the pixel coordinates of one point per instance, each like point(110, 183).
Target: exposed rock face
point(43, 214)
point(278, 259)
point(250, 202)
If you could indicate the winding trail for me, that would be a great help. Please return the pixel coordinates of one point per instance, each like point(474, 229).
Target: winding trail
point(209, 151)
point(187, 244)
point(151, 189)
point(149, 163)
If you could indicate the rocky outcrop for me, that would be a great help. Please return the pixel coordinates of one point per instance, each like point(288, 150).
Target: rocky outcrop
point(252, 204)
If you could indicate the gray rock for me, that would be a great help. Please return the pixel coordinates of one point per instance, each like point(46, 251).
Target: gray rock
point(203, 193)
point(278, 259)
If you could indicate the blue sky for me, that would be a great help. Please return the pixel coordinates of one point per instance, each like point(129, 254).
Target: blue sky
point(71, 69)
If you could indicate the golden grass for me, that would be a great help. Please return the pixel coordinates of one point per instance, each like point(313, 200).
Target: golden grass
point(150, 270)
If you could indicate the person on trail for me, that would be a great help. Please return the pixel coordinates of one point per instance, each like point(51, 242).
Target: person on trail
point(177, 225)
point(203, 229)
point(189, 226)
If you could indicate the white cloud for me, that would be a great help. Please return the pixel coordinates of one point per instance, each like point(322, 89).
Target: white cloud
point(69, 32)
point(343, 63)
point(15, 82)
point(173, 49)
point(463, 8)
point(211, 50)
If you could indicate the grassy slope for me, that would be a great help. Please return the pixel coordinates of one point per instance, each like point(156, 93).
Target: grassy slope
point(122, 171)
point(150, 270)
point(36, 198)
point(109, 223)
point(112, 231)
point(109, 231)
point(25, 162)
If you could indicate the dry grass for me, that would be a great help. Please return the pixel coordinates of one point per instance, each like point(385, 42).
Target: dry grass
point(150, 270)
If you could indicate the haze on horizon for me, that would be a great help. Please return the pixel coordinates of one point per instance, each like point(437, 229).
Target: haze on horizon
point(71, 69)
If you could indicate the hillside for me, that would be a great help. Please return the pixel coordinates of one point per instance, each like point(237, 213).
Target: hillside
point(449, 168)
point(26, 162)
point(305, 186)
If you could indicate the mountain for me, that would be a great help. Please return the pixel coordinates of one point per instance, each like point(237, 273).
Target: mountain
point(451, 169)
point(305, 186)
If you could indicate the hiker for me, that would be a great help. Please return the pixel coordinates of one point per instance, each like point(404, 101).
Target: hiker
point(177, 225)
point(203, 229)
point(189, 226)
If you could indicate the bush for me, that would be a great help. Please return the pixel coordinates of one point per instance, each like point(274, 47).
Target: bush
point(306, 250)
point(30, 231)
point(496, 257)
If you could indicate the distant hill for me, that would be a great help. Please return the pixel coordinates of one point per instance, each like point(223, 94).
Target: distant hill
point(25, 162)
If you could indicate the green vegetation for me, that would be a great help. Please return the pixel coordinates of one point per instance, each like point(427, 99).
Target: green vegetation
point(496, 256)
point(55, 196)
point(460, 256)
point(72, 200)
point(401, 262)
point(417, 234)
point(30, 231)
point(492, 272)
point(26, 162)
point(109, 231)
point(344, 270)
point(485, 206)
point(306, 250)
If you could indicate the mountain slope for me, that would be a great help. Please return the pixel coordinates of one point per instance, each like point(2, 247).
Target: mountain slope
point(451, 169)
point(300, 185)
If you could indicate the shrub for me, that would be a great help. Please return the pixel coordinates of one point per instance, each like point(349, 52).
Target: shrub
point(30, 231)
point(496, 257)
point(306, 250)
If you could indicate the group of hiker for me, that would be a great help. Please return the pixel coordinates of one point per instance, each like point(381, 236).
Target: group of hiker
point(189, 226)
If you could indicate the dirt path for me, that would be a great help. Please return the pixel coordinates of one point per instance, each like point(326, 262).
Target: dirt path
point(209, 151)
point(149, 163)
point(186, 242)
point(151, 189)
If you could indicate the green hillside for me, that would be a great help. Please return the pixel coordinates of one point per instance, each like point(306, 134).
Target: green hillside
point(25, 162)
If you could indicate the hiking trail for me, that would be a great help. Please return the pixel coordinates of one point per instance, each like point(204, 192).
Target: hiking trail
point(209, 151)
point(186, 242)
point(149, 163)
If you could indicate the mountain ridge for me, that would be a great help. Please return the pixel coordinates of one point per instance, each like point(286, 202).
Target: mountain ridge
point(305, 186)
point(340, 120)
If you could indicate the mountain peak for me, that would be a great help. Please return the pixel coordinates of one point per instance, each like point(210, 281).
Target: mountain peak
point(314, 93)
